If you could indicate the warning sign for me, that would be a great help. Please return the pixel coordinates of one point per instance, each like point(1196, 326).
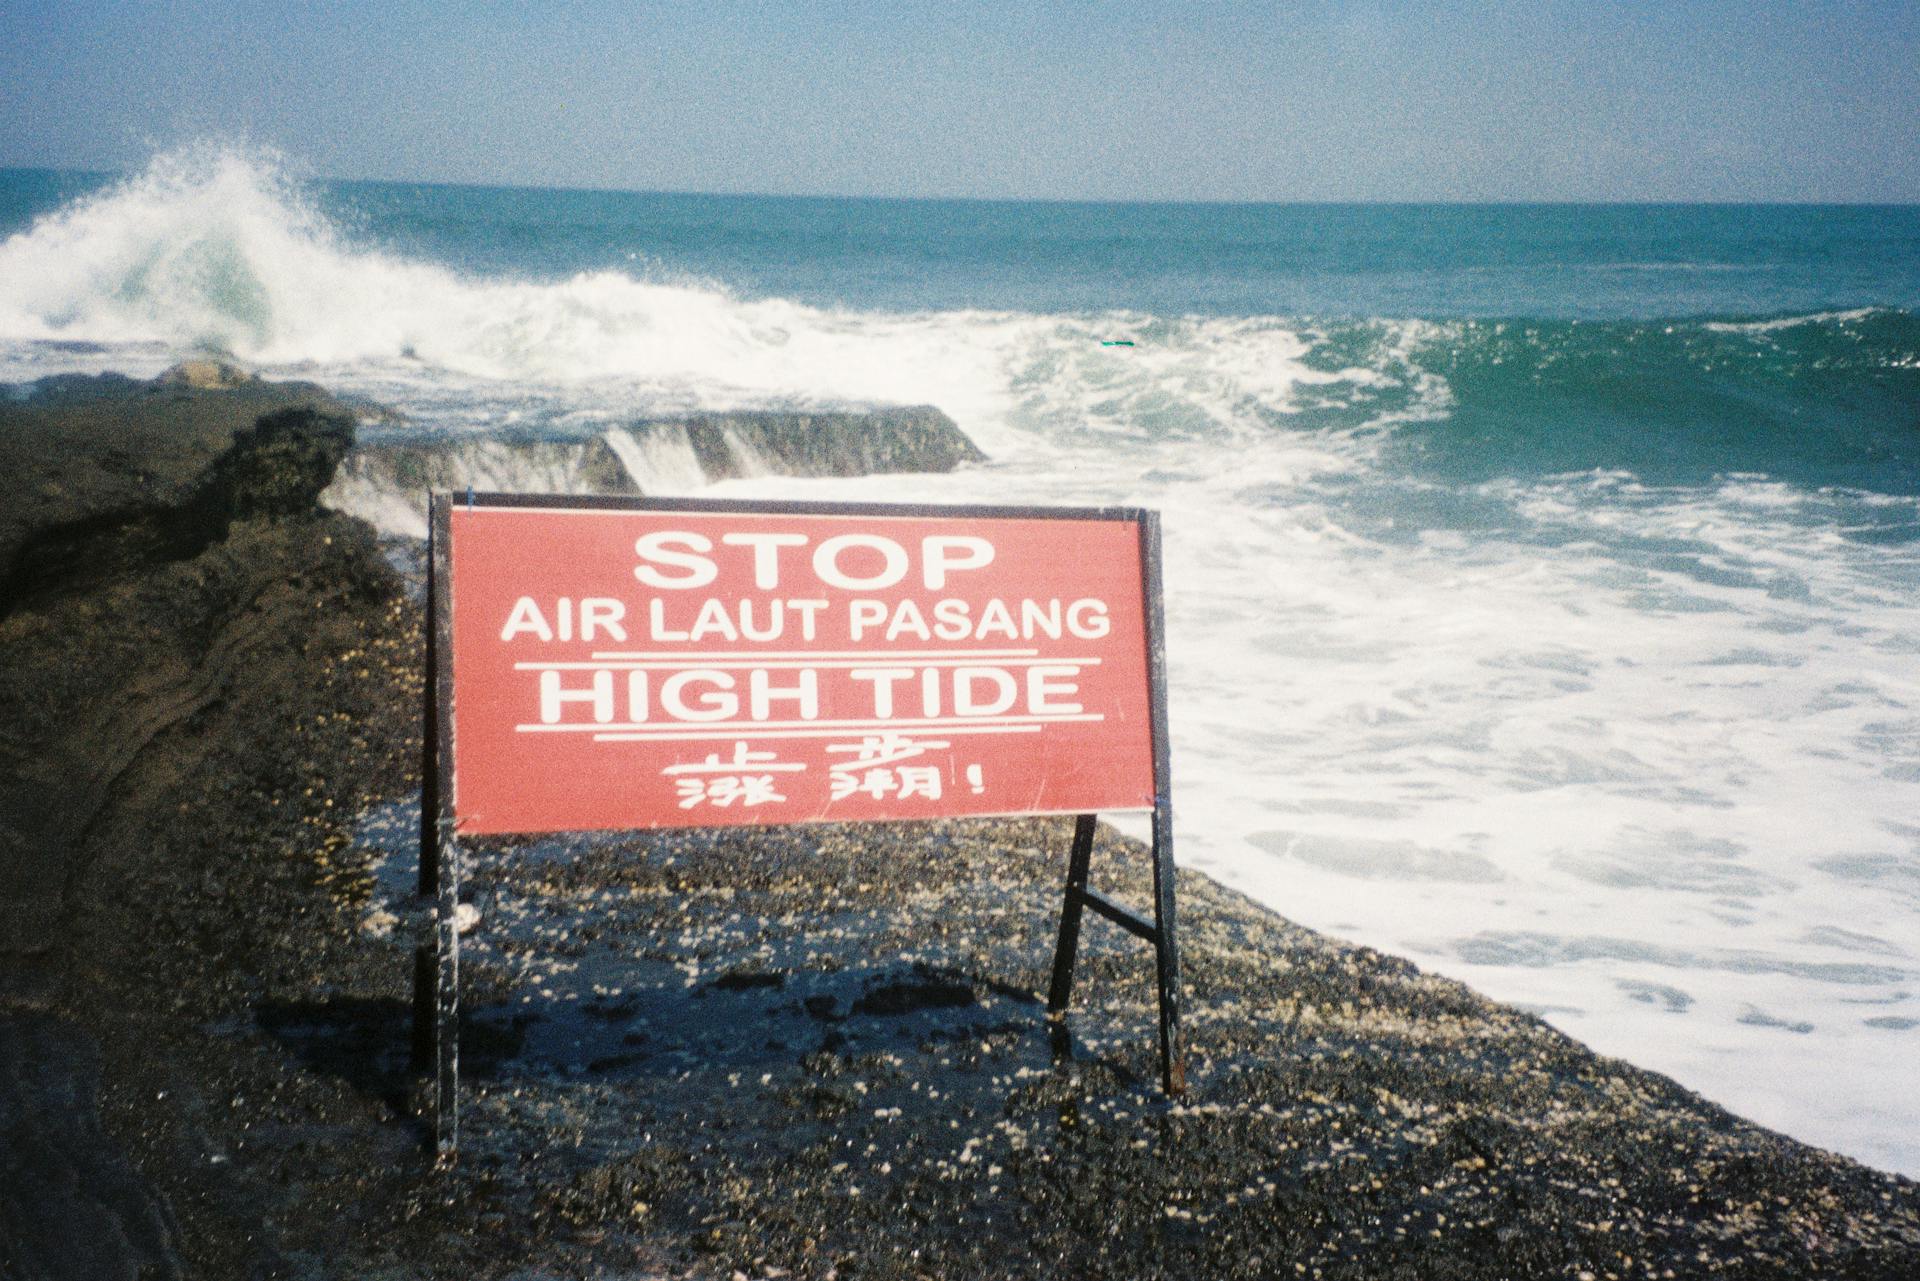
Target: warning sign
point(676, 664)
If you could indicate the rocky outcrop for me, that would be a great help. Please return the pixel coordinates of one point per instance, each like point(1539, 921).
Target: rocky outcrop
point(173, 606)
point(206, 375)
point(125, 596)
point(882, 442)
point(268, 471)
point(71, 1206)
point(385, 482)
point(79, 450)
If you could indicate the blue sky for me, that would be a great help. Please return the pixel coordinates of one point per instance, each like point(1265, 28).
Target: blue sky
point(1745, 100)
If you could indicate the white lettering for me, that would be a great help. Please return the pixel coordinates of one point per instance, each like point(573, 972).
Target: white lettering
point(810, 614)
point(713, 619)
point(602, 613)
point(883, 680)
point(1033, 620)
point(760, 693)
point(713, 705)
point(553, 699)
point(1042, 686)
point(996, 618)
point(700, 570)
point(776, 617)
point(1088, 619)
point(826, 562)
point(954, 623)
point(941, 553)
point(862, 614)
point(657, 619)
point(907, 618)
point(966, 703)
point(766, 554)
point(526, 617)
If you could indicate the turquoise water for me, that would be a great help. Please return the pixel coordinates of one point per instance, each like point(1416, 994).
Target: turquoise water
point(1637, 331)
point(1430, 261)
point(1543, 262)
point(1544, 590)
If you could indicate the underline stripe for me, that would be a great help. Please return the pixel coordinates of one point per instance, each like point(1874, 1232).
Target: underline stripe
point(781, 664)
point(742, 728)
point(678, 736)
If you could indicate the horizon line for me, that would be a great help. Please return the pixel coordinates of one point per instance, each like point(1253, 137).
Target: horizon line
point(1513, 202)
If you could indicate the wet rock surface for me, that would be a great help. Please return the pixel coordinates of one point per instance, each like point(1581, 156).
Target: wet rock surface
point(177, 718)
point(821, 1051)
point(386, 480)
point(81, 453)
point(160, 550)
point(751, 443)
point(71, 1205)
point(404, 472)
point(813, 1052)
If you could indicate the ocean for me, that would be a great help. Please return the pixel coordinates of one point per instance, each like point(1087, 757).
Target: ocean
point(1543, 581)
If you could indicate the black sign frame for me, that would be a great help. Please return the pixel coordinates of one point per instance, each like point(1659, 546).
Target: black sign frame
point(436, 969)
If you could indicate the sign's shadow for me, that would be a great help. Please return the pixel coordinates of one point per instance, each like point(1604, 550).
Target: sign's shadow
point(582, 971)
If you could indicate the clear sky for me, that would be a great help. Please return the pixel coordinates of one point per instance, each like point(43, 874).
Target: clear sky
point(1743, 100)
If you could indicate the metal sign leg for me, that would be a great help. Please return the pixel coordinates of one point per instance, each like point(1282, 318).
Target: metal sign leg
point(446, 1091)
point(425, 948)
point(1062, 990)
point(1173, 1076)
point(436, 991)
point(1173, 1069)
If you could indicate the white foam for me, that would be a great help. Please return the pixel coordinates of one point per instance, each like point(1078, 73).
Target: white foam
point(1618, 742)
point(212, 248)
point(660, 459)
point(1760, 327)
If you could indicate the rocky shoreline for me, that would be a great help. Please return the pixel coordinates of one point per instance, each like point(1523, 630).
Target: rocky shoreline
point(804, 1052)
point(382, 480)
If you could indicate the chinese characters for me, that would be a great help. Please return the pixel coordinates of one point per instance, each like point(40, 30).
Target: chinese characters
point(882, 766)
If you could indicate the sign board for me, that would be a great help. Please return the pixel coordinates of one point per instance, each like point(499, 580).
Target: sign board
point(653, 663)
point(622, 668)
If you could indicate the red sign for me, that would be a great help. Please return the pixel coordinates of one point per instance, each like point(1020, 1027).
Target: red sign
point(698, 666)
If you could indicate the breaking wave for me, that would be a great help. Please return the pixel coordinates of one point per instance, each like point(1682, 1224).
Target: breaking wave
point(217, 249)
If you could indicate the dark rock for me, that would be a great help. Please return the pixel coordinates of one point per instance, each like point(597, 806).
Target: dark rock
point(71, 1207)
point(67, 389)
point(277, 467)
point(119, 496)
point(78, 449)
point(409, 470)
point(173, 610)
point(207, 374)
point(914, 995)
point(914, 439)
point(746, 980)
point(386, 482)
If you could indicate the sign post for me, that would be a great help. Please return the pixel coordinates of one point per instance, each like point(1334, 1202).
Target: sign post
point(643, 663)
